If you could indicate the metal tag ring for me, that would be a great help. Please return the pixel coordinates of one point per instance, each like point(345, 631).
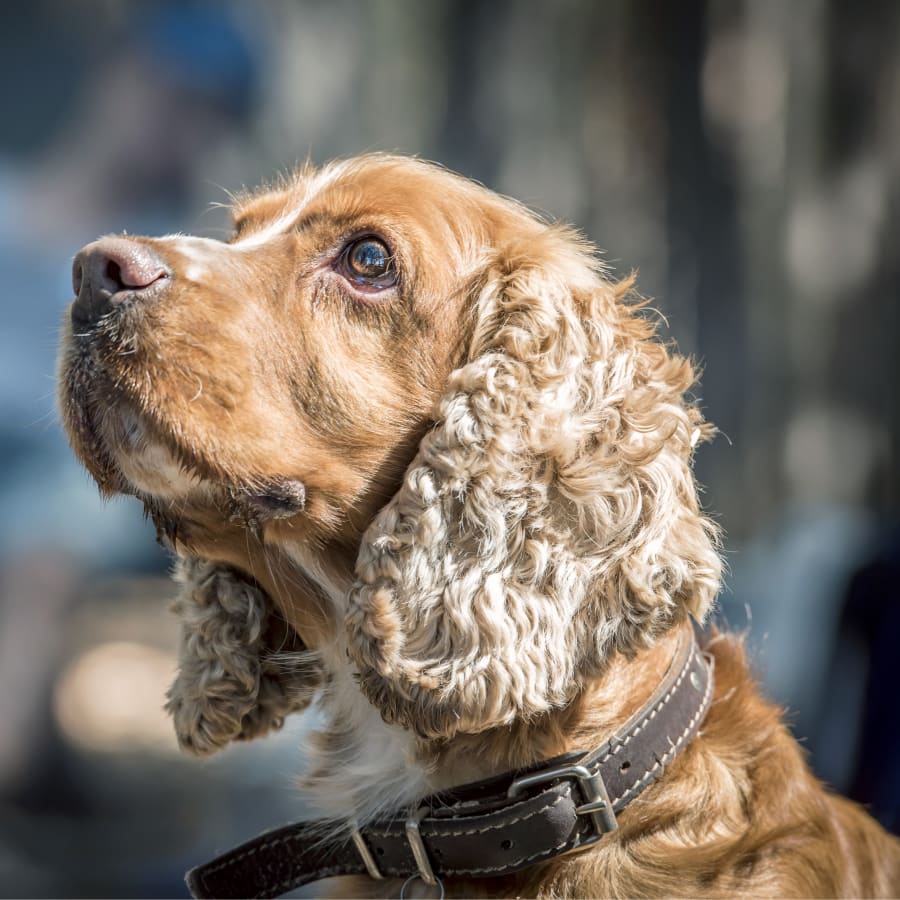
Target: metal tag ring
point(438, 883)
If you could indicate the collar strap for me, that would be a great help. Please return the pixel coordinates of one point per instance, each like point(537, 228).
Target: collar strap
point(492, 827)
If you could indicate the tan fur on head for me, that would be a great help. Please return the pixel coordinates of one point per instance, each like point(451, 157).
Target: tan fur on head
point(551, 516)
point(239, 675)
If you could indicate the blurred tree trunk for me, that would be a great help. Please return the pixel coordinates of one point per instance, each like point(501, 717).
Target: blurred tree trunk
point(705, 278)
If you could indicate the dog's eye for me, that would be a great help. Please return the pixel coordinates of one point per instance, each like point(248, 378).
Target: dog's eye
point(367, 262)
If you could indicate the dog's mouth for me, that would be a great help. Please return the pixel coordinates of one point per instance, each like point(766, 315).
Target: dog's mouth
point(86, 400)
point(129, 450)
point(123, 449)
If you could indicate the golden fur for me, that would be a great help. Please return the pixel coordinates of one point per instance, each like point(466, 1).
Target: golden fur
point(463, 504)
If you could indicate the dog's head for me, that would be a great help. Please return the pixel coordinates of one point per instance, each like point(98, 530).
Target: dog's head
point(419, 417)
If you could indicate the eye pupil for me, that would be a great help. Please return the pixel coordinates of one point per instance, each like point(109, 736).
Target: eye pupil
point(368, 265)
point(369, 258)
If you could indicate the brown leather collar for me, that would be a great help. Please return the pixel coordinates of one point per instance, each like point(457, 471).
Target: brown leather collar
point(492, 827)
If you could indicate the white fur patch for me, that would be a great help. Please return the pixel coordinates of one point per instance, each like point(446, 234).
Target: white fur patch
point(206, 256)
point(333, 584)
point(156, 472)
point(196, 273)
point(274, 229)
point(150, 466)
point(203, 255)
point(378, 770)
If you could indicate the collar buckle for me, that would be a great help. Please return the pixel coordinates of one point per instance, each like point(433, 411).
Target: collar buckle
point(592, 788)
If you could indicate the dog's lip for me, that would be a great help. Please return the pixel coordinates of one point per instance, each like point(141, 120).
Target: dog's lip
point(279, 498)
point(125, 304)
point(133, 428)
point(119, 431)
point(118, 428)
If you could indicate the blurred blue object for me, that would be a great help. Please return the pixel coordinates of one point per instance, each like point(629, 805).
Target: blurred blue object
point(200, 48)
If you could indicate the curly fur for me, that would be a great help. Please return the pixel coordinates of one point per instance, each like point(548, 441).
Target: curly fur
point(552, 507)
point(232, 682)
point(463, 506)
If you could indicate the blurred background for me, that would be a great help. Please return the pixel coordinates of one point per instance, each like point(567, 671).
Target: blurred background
point(742, 156)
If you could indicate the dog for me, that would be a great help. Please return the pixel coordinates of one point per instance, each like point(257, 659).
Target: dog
point(423, 464)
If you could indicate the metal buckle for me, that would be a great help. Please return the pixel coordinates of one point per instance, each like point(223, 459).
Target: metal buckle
point(414, 836)
point(365, 853)
point(593, 790)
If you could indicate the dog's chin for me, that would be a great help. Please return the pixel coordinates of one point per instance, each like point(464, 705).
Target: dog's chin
point(128, 453)
point(145, 465)
point(149, 465)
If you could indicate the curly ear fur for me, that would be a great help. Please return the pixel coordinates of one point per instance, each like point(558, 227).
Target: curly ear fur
point(551, 517)
point(241, 669)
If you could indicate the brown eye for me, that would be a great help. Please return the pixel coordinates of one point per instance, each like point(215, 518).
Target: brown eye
point(367, 262)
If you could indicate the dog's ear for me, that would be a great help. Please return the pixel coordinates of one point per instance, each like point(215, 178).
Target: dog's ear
point(551, 516)
point(242, 669)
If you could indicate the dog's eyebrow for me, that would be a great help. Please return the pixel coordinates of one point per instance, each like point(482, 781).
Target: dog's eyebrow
point(290, 218)
point(314, 218)
point(296, 221)
point(271, 230)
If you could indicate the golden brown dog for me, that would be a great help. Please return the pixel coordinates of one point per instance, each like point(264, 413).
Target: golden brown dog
point(421, 460)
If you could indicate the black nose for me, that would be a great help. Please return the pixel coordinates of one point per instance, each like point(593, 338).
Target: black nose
point(110, 271)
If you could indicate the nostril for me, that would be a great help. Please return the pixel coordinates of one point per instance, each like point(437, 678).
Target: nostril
point(136, 270)
point(77, 276)
point(130, 276)
point(114, 274)
point(114, 264)
point(117, 264)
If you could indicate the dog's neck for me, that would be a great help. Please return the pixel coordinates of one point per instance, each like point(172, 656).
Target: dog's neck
point(595, 714)
point(361, 767)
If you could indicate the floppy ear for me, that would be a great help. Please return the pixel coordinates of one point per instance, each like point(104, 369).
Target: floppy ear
point(550, 518)
point(242, 669)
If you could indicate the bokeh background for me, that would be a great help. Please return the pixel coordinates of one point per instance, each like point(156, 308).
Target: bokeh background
point(742, 156)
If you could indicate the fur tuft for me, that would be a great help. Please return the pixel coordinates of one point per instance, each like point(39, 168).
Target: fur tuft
point(232, 682)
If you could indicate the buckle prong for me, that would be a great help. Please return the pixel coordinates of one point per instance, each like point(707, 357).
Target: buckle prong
point(414, 836)
point(366, 854)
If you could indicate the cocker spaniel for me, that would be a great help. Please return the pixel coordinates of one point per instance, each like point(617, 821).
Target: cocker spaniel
point(425, 466)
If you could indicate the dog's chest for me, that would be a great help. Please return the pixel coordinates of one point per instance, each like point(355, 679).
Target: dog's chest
point(360, 766)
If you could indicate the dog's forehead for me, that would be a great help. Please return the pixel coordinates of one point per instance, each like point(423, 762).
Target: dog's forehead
point(441, 215)
point(260, 209)
point(275, 206)
point(392, 187)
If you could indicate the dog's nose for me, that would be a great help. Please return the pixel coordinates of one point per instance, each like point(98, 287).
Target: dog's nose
point(111, 270)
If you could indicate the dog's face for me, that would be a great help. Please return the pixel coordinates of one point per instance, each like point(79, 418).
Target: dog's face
point(292, 368)
point(392, 368)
